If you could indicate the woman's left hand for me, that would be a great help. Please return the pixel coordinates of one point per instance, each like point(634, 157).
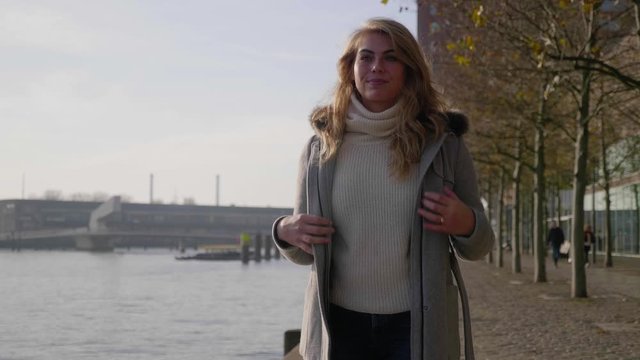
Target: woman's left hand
point(445, 213)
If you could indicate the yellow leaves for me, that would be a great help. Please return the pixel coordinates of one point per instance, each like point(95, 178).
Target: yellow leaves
point(477, 16)
point(536, 47)
point(462, 60)
point(384, 2)
point(563, 42)
point(468, 42)
point(461, 50)
point(563, 4)
point(587, 5)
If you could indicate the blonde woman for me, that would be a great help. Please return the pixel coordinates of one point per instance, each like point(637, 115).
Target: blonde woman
point(384, 187)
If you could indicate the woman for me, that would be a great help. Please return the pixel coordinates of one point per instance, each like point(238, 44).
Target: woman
point(381, 187)
point(588, 240)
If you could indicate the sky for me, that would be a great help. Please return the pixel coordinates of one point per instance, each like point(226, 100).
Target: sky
point(97, 95)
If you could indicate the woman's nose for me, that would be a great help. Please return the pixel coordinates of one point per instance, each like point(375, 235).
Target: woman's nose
point(377, 66)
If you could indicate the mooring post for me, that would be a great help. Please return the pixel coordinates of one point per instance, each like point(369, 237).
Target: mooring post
point(291, 339)
point(15, 242)
point(245, 244)
point(257, 248)
point(267, 248)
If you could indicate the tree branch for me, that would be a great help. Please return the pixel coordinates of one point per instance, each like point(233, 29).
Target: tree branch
point(599, 66)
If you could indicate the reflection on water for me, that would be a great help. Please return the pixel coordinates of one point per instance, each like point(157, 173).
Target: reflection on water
point(144, 305)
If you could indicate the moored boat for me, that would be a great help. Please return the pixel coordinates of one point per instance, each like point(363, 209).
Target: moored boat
point(213, 255)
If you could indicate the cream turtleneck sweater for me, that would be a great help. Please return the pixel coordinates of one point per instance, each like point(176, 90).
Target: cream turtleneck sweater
point(372, 214)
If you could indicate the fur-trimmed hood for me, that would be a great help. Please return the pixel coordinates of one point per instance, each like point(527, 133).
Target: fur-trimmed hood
point(457, 122)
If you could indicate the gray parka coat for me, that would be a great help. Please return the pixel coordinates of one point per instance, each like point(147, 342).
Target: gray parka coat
point(434, 306)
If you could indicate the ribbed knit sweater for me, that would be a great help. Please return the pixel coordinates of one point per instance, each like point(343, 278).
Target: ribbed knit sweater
point(372, 214)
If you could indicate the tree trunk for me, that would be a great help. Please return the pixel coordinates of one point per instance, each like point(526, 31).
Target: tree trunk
point(606, 175)
point(515, 226)
point(608, 239)
point(522, 215)
point(593, 214)
point(532, 199)
point(578, 278)
point(488, 194)
point(491, 210)
point(515, 234)
point(500, 216)
point(637, 8)
point(539, 250)
point(559, 204)
point(637, 243)
point(525, 215)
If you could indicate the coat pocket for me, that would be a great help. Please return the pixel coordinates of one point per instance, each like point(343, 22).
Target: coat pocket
point(453, 335)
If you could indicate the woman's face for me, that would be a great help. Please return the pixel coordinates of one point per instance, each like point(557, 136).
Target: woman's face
point(378, 73)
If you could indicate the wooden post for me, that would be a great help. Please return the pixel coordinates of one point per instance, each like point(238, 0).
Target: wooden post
point(267, 248)
point(257, 248)
point(245, 243)
point(291, 339)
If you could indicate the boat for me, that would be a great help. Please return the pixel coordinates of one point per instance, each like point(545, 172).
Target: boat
point(213, 255)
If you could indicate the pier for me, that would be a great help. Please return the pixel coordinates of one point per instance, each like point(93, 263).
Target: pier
point(42, 224)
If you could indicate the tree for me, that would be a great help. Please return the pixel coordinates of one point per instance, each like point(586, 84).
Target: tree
point(51, 194)
point(512, 49)
point(80, 196)
point(617, 149)
point(500, 64)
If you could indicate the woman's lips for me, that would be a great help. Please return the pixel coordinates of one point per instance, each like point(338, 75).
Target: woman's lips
point(376, 81)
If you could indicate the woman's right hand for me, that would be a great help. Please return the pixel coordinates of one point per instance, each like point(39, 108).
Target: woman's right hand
point(304, 231)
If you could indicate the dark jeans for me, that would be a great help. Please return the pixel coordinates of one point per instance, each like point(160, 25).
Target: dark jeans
point(586, 253)
point(356, 335)
point(556, 253)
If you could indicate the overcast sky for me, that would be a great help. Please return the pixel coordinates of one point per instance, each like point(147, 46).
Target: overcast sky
point(97, 95)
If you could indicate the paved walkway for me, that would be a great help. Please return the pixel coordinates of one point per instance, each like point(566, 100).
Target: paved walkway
point(514, 318)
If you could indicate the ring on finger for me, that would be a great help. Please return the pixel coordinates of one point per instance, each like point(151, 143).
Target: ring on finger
point(441, 220)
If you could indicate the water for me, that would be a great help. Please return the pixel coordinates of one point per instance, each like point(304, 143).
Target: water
point(144, 305)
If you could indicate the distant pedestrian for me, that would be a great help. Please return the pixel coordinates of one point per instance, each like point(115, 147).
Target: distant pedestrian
point(556, 239)
point(588, 240)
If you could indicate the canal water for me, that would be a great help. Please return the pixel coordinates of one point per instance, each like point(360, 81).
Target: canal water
point(144, 305)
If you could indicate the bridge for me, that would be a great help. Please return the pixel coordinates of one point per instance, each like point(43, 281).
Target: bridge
point(114, 224)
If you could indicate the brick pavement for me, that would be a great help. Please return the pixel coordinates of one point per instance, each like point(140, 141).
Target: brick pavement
point(514, 318)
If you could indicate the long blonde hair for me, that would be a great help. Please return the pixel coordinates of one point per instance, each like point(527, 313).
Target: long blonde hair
point(422, 111)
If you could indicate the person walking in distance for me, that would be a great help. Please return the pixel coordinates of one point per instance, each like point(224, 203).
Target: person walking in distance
point(555, 238)
point(588, 241)
point(386, 193)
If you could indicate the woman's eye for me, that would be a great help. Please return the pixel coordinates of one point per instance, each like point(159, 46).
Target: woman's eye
point(391, 58)
point(366, 58)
